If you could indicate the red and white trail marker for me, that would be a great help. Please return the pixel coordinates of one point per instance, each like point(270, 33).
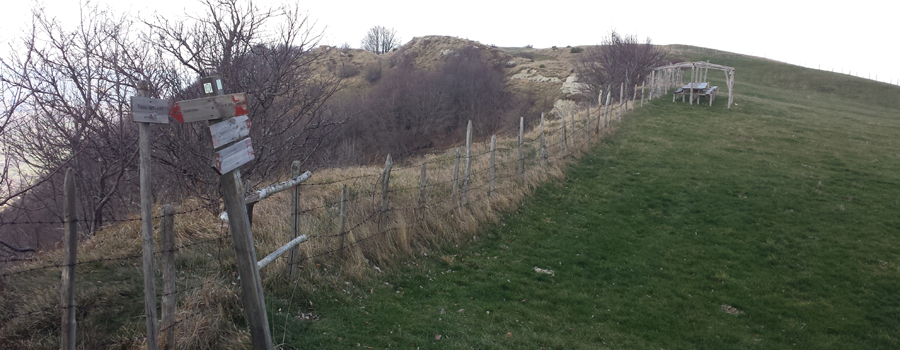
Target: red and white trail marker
point(209, 108)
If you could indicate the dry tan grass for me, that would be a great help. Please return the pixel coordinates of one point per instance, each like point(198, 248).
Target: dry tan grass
point(209, 300)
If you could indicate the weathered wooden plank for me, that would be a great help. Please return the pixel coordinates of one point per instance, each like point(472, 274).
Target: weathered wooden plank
point(210, 108)
point(268, 191)
point(150, 110)
point(229, 130)
point(231, 157)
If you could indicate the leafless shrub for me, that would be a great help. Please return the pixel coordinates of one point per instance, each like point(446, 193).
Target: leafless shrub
point(372, 72)
point(410, 111)
point(348, 71)
point(618, 60)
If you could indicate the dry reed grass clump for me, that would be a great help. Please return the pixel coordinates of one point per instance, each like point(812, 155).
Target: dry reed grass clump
point(417, 219)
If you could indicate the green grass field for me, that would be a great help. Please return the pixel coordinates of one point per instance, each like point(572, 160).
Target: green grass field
point(782, 210)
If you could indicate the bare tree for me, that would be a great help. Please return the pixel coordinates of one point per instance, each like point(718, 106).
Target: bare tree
point(380, 40)
point(619, 59)
point(74, 115)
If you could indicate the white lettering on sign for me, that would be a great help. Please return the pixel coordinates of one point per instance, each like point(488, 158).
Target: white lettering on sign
point(229, 130)
point(209, 108)
point(231, 157)
point(150, 110)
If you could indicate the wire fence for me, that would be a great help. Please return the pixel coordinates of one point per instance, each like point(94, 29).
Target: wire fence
point(424, 201)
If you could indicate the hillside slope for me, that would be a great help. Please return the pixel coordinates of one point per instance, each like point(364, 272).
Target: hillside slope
point(771, 225)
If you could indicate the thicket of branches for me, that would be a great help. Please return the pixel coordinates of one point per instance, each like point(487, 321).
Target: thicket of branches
point(618, 60)
point(411, 111)
point(66, 103)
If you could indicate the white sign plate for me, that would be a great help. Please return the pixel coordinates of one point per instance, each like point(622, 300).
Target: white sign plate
point(231, 157)
point(150, 110)
point(229, 130)
point(209, 108)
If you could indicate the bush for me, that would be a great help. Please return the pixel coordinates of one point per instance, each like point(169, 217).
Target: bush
point(576, 50)
point(529, 46)
point(527, 55)
point(348, 71)
point(554, 48)
point(372, 72)
point(542, 66)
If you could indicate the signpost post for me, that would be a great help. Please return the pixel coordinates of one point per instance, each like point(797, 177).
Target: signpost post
point(230, 130)
point(148, 110)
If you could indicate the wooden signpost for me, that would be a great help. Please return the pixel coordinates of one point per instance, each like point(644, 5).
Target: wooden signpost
point(150, 110)
point(230, 138)
point(147, 110)
point(231, 157)
point(229, 130)
point(209, 108)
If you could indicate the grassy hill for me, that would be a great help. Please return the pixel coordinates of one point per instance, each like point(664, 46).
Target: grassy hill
point(772, 225)
point(769, 225)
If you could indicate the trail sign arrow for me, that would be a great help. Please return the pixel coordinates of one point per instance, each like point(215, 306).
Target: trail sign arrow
point(150, 110)
point(229, 130)
point(209, 108)
point(231, 157)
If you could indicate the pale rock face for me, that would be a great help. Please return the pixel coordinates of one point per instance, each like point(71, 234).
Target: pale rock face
point(562, 108)
point(572, 86)
point(530, 75)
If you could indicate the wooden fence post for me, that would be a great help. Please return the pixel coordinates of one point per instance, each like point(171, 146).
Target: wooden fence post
point(621, 100)
point(565, 143)
point(423, 182)
point(468, 173)
point(493, 164)
point(606, 108)
point(149, 268)
point(587, 124)
point(634, 98)
point(385, 190)
point(343, 226)
point(521, 150)
point(652, 76)
point(167, 231)
point(294, 254)
point(70, 248)
point(252, 296)
point(543, 154)
point(572, 116)
point(455, 193)
point(642, 94)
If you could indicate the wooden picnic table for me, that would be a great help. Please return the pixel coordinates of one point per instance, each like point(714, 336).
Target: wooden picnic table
point(699, 89)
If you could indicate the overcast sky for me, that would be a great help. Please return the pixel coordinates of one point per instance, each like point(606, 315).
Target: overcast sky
point(858, 36)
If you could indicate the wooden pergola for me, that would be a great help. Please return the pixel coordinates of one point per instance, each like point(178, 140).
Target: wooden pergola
point(663, 78)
